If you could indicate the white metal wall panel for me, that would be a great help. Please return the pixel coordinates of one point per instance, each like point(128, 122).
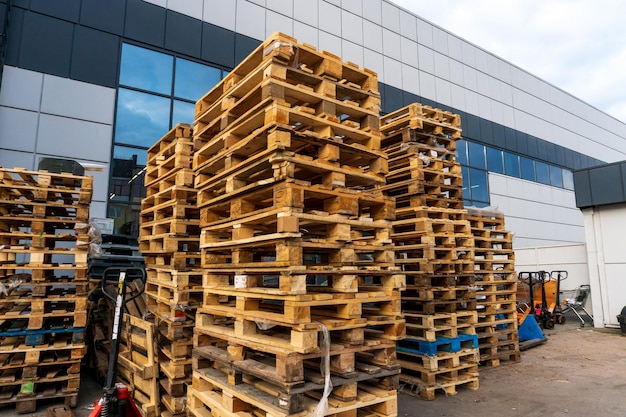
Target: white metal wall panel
point(329, 18)
point(409, 52)
point(372, 10)
point(304, 11)
point(276, 22)
point(18, 129)
point(193, 8)
point(250, 19)
point(21, 88)
point(224, 15)
point(373, 36)
point(408, 25)
point(70, 138)
point(352, 27)
point(352, 52)
point(77, 100)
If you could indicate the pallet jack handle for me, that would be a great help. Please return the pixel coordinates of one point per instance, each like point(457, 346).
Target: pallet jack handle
point(117, 392)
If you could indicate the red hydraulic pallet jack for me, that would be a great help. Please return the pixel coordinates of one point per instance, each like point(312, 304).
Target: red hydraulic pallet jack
point(116, 400)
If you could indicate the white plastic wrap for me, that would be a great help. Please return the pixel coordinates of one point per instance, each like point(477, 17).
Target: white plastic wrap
point(322, 406)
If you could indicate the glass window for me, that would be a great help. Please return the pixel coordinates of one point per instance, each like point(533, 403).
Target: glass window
point(494, 160)
point(183, 112)
point(527, 168)
point(146, 69)
point(479, 187)
point(193, 80)
point(466, 182)
point(511, 164)
point(142, 118)
point(556, 176)
point(461, 152)
point(568, 179)
point(476, 155)
point(126, 153)
point(543, 172)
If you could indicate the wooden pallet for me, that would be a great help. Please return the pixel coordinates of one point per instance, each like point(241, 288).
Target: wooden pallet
point(138, 365)
point(301, 60)
point(178, 182)
point(19, 183)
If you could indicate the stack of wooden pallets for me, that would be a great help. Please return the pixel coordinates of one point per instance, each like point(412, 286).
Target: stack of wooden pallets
point(294, 240)
point(169, 238)
point(44, 245)
point(496, 283)
point(435, 246)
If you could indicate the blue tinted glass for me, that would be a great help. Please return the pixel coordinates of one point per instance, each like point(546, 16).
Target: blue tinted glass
point(476, 154)
point(461, 152)
point(568, 179)
point(146, 69)
point(511, 164)
point(543, 173)
point(528, 168)
point(183, 112)
point(556, 177)
point(466, 182)
point(494, 160)
point(124, 153)
point(193, 80)
point(142, 118)
point(479, 187)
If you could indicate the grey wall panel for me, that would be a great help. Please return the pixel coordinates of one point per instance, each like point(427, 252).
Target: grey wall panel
point(499, 139)
point(62, 9)
point(582, 188)
point(183, 34)
point(622, 168)
point(104, 15)
point(3, 15)
point(70, 138)
point(77, 100)
point(472, 124)
point(532, 146)
point(522, 142)
point(243, 46)
point(21, 89)
point(18, 129)
point(145, 22)
point(96, 65)
point(391, 99)
point(486, 132)
point(218, 45)
point(606, 185)
point(46, 44)
point(509, 139)
point(15, 36)
point(17, 159)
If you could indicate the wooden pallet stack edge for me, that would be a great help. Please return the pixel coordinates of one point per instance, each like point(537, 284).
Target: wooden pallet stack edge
point(43, 264)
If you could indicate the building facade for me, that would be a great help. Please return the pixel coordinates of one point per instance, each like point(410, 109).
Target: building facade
point(99, 82)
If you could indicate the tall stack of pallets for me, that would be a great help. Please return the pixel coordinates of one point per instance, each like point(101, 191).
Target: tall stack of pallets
point(496, 283)
point(435, 247)
point(169, 238)
point(44, 244)
point(295, 240)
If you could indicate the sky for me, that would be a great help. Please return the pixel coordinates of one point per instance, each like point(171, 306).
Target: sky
point(576, 45)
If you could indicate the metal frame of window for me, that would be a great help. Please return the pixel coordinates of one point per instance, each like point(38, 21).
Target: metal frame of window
point(116, 182)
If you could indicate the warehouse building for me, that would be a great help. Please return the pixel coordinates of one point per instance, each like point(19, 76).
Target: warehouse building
point(100, 82)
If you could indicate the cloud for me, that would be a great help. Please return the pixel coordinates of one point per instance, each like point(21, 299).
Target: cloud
point(578, 46)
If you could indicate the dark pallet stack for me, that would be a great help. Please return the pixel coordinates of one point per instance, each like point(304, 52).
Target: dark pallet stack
point(44, 245)
point(295, 238)
point(496, 283)
point(435, 247)
point(169, 234)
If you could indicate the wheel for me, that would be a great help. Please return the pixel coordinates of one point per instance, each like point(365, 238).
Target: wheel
point(549, 324)
point(560, 319)
point(622, 320)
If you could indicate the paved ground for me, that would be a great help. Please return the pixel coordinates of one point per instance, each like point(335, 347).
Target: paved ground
point(578, 372)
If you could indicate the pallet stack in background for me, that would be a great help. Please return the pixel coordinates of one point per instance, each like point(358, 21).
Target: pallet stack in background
point(44, 222)
point(496, 283)
point(435, 246)
point(169, 234)
point(294, 240)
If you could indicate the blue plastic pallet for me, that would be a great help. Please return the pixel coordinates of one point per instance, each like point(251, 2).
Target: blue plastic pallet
point(35, 337)
point(442, 344)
